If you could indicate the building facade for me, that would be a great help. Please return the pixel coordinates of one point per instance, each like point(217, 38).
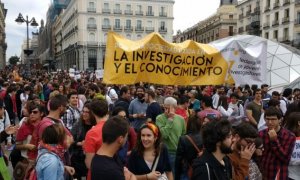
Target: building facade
point(249, 19)
point(220, 25)
point(81, 29)
point(3, 44)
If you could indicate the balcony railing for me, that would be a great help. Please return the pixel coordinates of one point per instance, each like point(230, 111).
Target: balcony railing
point(275, 23)
point(128, 28)
point(139, 29)
point(162, 30)
point(92, 26)
point(139, 13)
point(128, 12)
point(276, 5)
point(162, 14)
point(106, 11)
point(150, 13)
point(286, 2)
point(118, 28)
point(285, 19)
point(248, 12)
point(91, 9)
point(149, 29)
point(106, 27)
point(117, 11)
point(241, 29)
point(248, 27)
point(267, 8)
point(257, 9)
point(266, 25)
point(297, 22)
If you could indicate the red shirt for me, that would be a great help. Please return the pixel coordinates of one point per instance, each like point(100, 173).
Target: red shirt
point(24, 131)
point(93, 141)
point(183, 113)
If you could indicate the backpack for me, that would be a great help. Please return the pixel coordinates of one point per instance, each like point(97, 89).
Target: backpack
point(200, 152)
point(31, 172)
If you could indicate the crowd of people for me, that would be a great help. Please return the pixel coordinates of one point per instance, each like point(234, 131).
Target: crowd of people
point(56, 126)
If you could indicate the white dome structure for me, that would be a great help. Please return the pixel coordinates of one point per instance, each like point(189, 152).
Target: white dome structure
point(283, 61)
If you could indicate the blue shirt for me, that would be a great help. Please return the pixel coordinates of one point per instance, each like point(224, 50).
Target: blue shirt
point(49, 166)
point(137, 107)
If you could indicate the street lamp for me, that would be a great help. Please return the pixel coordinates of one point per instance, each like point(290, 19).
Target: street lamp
point(83, 59)
point(33, 23)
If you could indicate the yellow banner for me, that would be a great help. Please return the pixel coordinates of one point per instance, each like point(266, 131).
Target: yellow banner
point(154, 60)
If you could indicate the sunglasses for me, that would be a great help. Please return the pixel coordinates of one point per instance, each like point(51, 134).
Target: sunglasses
point(34, 112)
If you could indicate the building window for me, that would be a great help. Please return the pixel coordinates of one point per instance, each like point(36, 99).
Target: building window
point(276, 16)
point(117, 23)
point(287, 13)
point(92, 58)
point(149, 12)
point(91, 4)
point(286, 34)
point(230, 16)
point(92, 37)
point(106, 22)
point(267, 35)
point(106, 6)
point(128, 7)
point(128, 24)
point(275, 34)
point(91, 21)
point(162, 25)
point(230, 31)
point(139, 24)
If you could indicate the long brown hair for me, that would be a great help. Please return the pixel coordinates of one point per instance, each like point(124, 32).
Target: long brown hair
point(292, 123)
point(92, 117)
point(157, 144)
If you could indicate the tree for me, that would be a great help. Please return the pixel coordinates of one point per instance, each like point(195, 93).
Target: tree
point(13, 60)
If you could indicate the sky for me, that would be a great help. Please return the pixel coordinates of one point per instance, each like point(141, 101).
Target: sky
point(186, 14)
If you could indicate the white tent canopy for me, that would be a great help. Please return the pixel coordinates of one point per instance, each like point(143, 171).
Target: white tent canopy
point(283, 61)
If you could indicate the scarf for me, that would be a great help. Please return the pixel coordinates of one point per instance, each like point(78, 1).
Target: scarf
point(57, 149)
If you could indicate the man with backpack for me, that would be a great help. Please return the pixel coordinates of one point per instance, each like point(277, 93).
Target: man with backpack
point(285, 101)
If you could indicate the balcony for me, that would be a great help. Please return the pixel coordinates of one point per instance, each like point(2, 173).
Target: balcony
point(248, 13)
point(92, 43)
point(297, 2)
point(248, 27)
point(117, 11)
point(139, 13)
point(267, 8)
point(275, 23)
point(257, 10)
point(128, 28)
point(91, 9)
point(118, 28)
point(149, 29)
point(241, 29)
point(162, 30)
point(255, 24)
point(266, 25)
point(241, 16)
point(286, 2)
point(106, 11)
point(150, 13)
point(297, 22)
point(139, 29)
point(92, 26)
point(106, 27)
point(285, 20)
point(276, 5)
point(128, 12)
point(162, 14)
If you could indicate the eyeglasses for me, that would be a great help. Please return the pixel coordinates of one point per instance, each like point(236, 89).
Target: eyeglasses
point(34, 112)
point(86, 112)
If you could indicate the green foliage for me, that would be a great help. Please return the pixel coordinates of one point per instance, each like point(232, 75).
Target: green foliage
point(13, 60)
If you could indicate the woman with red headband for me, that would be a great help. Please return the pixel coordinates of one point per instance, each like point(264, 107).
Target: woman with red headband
point(149, 160)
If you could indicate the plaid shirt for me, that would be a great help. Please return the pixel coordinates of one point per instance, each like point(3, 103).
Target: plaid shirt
point(277, 154)
point(70, 117)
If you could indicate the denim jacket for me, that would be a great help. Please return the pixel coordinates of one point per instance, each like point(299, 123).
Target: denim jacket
point(49, 166)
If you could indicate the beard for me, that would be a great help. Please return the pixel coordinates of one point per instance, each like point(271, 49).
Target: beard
point(225, 149)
